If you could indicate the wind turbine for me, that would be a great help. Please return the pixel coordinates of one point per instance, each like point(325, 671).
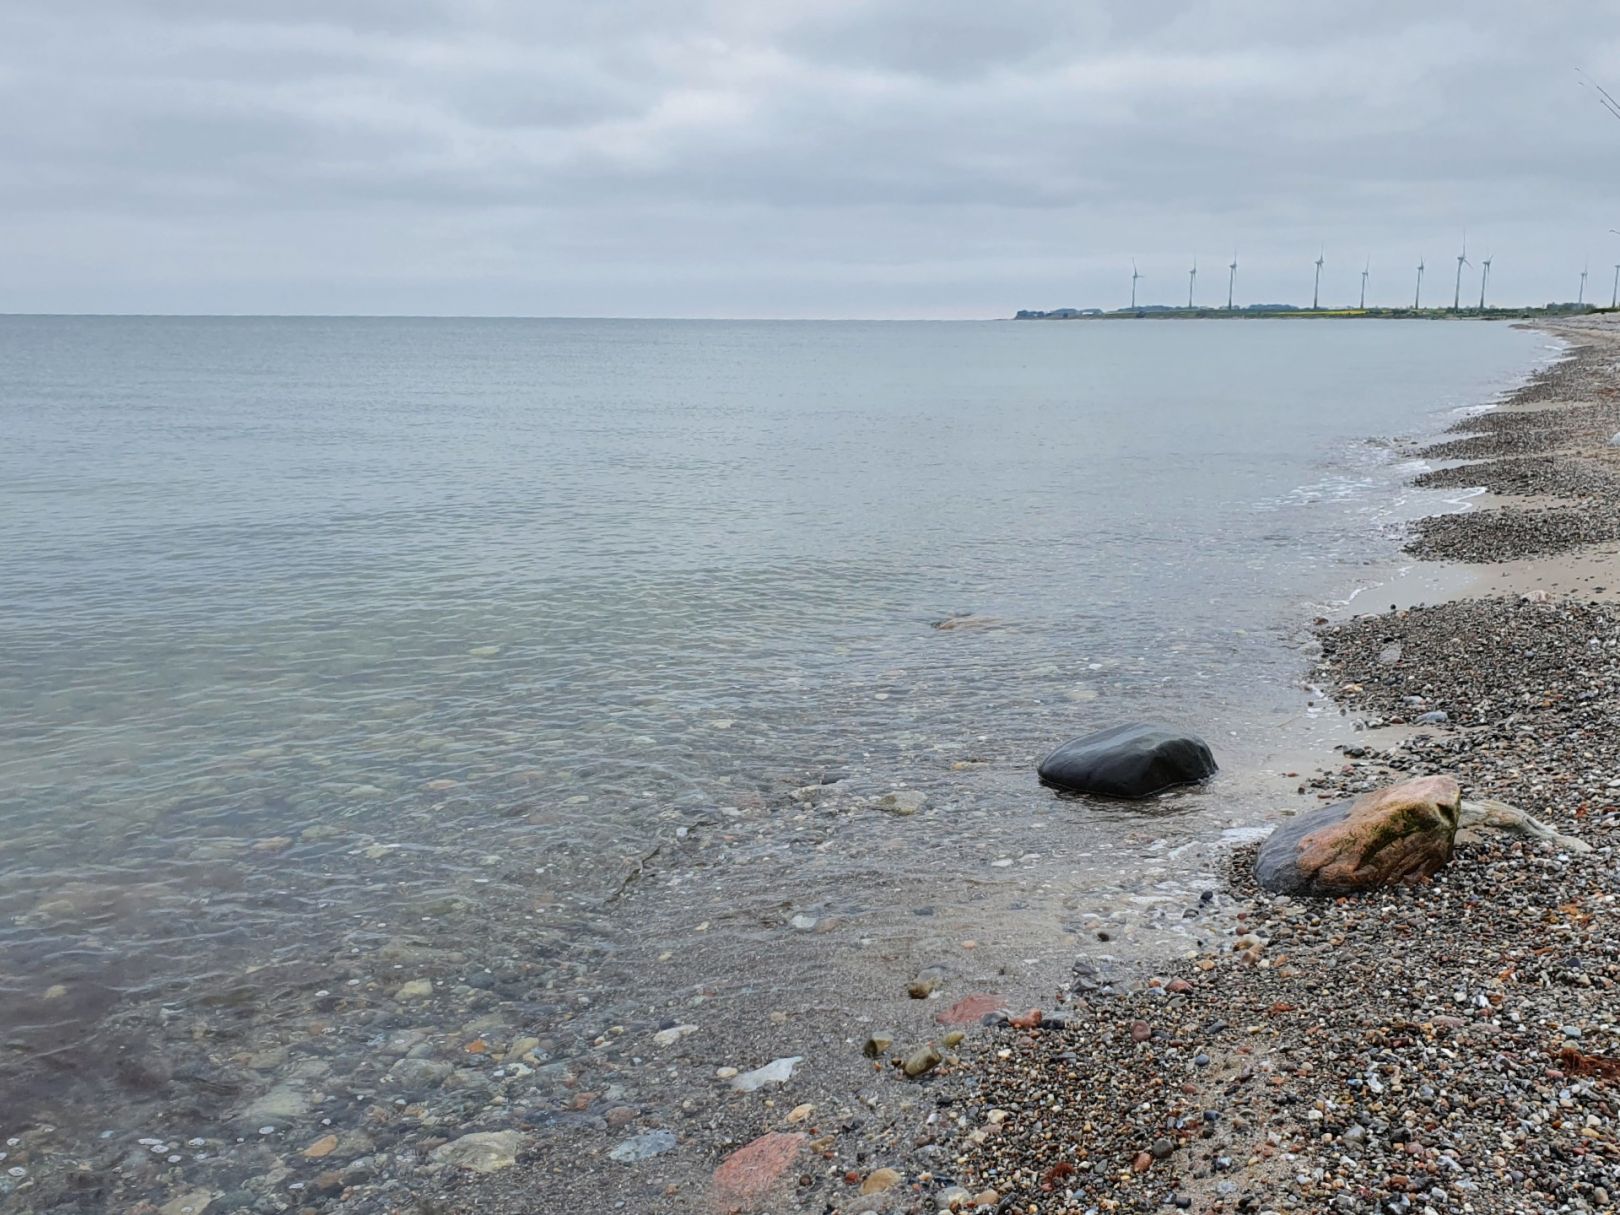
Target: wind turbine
point(1484, 277)
point(1614, 301)
point(1581, 298)
point(1417, 296)
point(1192, 277)
point(1462, 260)
point(1231, 280)
point(1365, 271)
point(1134, 277)
point(1316, 289)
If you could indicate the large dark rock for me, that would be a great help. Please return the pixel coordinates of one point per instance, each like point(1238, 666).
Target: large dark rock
point(1132, 761)
point(1403, 833)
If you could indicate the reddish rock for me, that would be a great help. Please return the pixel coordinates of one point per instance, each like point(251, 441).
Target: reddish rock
point(1178, 987)
point(746, 1177)
point(1141, 1031)
point(970, 1010)
point(1403, 833)
point(1142, 1163)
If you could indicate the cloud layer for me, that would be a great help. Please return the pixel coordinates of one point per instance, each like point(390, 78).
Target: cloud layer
point(826, 158)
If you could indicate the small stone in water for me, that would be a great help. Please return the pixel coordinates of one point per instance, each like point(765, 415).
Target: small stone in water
point(902, 802)
point(642, 1147)
point(482, 1151)
point(672, 1035)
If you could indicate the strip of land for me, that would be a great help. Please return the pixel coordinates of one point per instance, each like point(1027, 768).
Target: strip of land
point(1453, 1047)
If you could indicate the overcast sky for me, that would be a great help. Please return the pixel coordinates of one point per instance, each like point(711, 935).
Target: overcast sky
point(826, 158)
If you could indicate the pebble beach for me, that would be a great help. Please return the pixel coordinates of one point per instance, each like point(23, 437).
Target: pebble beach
point(1450, 1047)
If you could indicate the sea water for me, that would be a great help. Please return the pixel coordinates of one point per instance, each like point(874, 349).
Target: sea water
point(566, 666)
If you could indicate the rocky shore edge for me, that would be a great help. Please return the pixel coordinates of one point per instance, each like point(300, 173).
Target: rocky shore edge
point(1452, 1046)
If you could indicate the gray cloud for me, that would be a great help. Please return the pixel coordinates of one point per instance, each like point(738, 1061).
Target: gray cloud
point(882, 157)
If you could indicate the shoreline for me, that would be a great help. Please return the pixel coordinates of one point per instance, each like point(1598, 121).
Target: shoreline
point(430, 1096)
point(843, 1139)
point(1440, 1048)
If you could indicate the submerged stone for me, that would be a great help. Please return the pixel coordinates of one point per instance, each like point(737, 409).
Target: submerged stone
point(745, 1179)
point(1402, 833)
point(482, 1151)
point(1130, 761)
point(642, 1147)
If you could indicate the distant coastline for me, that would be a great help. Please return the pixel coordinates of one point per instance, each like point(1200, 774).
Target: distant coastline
point(1291, 311)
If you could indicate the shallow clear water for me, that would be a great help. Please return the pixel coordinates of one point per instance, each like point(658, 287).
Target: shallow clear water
point(318, 634)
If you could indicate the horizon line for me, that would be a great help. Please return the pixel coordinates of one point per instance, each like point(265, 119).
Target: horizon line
point(482, 316)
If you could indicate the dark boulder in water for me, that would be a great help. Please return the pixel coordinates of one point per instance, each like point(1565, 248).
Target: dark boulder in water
point(1132, 761)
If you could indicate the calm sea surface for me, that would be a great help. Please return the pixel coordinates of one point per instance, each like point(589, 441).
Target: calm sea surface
point(513, 654)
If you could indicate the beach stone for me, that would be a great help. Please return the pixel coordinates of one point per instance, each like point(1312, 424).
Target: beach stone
point(746, 1178)
point(1130, 761)
point(777, 1071)
point(922, 1061)
point(877, 1043)
point(672, 1035)
point(282, 1103)
point(192, 1202)
point(1401, 833)
point(642, 1147)
point(903, 802)
point(417, 1074)
point(482, 1151)
point(879, 1180)
point(971, 1009)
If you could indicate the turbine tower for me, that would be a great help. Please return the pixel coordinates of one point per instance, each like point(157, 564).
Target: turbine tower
point(1462, 260)
point(1581, 298)
point(1316, 289)
point(1231, 280)
point(1484, 277)
point(1134, 277)
point(1365, 271)
point(1614, 301)
point(1417, 296)
point(1192, 277)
